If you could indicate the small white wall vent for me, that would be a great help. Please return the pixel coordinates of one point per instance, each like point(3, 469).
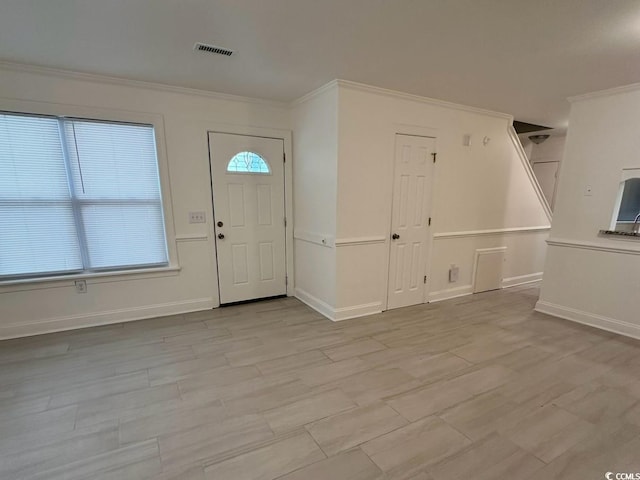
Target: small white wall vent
point(203, 47)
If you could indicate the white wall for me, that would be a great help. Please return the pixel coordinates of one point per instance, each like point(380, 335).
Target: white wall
point(187, 115)
point(591, 278)
point(482, 195)
point(342, 163)
point(315, 152)
point(549, 152)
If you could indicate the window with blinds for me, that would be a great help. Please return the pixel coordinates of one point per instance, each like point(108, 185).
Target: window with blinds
point(78, 196)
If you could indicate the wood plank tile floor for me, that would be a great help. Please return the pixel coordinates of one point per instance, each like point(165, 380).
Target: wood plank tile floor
point(479, 387)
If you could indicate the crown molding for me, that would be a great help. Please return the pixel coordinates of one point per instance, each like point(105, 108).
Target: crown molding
point(96, 78)
point(417, 98)
point(398, 95)
point(634, 87)
point(314, 93)
point(110, 80)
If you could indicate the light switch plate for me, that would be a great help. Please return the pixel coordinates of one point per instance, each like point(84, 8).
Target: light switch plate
point(197, 217)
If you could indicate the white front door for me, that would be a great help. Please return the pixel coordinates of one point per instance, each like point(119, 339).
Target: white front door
point(247, 176)
point(410, 220)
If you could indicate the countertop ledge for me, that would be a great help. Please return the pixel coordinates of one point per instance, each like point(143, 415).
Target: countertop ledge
point(619, 233)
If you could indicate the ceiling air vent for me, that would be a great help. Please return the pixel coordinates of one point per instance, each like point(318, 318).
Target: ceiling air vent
point(203, 47)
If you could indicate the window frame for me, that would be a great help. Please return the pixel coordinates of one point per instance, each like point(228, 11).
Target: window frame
point(621, 195)
point(627, 174)
point(73, 112)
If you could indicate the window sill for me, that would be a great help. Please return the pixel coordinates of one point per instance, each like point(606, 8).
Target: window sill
point(91, 278)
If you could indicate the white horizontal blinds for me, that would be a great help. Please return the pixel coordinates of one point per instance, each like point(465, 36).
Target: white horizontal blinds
point(37, 232)
point(116, 188)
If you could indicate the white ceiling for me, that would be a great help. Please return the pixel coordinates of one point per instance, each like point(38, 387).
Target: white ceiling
point(522, 57)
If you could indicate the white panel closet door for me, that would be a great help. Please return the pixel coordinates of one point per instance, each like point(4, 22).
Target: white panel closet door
point(410, 220)
point(248, 202)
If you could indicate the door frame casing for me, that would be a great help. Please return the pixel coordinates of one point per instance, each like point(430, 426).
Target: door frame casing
point(279, 134)
point(414, 131)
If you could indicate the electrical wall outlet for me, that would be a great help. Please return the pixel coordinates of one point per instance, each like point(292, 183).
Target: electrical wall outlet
point(197, 217)
point(454, 273)
point(81, 286)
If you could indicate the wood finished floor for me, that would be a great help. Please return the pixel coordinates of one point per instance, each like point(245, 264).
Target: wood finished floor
point(480, 387)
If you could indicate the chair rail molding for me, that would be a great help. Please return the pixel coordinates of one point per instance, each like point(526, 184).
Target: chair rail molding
point(322, 239)
point(561, 242)
point(492, 231)
point(344, 242)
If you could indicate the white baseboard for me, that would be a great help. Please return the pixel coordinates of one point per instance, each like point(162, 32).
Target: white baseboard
point(455, 292)
point(345, 313)
point(315, 303)
point(73, 322)
point(337, 314)
point(449, 293)
point(521, 280)
point(593, 320)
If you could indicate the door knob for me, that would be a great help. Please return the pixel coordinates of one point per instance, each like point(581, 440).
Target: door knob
point(221, 236)
point(395, 236)
point(220, 224)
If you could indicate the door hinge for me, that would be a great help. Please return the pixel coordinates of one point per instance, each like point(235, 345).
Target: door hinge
point(429, 220)
point(286, 280)
point(434, 155)
point(425, 279)
point(284, 157)
point(285, 221)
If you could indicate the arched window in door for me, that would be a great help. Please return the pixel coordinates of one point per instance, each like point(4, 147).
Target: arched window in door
point(248, 162)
